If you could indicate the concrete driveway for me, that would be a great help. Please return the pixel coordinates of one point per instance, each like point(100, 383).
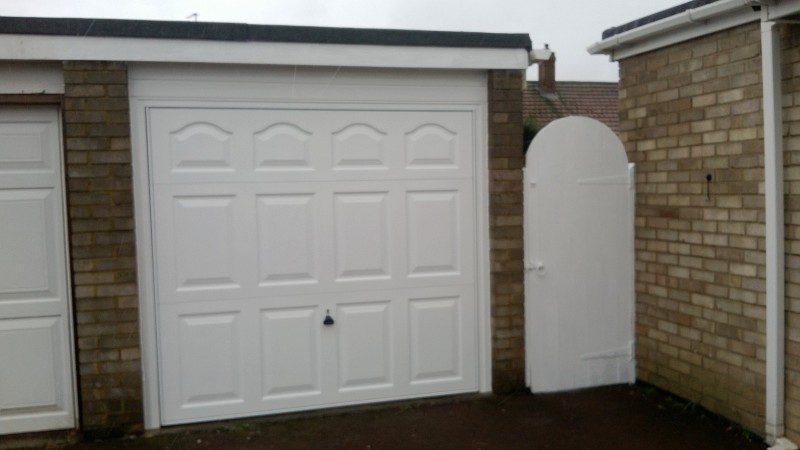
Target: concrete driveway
point(618, 417)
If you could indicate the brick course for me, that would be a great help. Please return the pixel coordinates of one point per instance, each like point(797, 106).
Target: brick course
point(101, 234)
point(687, 111)
point(505, 203)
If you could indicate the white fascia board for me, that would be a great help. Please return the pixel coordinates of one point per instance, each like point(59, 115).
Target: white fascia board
point(66, 48)
point(681, 27)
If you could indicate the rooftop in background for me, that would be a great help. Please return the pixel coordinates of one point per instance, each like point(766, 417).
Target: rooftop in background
point(613, 31)
point(598, 100)
point(242, 32)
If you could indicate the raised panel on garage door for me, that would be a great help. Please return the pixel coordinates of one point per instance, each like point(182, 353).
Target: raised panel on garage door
point(362, 235)
point(272, 219)
point(287, 238)
point(271, 145)
point(364, 345)
point(292, 368)
point(36, 374)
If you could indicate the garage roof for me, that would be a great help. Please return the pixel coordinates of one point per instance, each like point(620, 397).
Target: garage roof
point(242, 32)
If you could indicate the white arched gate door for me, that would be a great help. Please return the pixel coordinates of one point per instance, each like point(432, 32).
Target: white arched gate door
point(579, 293)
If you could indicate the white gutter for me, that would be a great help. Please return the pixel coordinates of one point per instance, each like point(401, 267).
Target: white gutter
point(773, 199)
point(677, 28)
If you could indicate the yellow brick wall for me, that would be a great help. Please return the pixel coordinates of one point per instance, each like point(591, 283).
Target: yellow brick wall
point(100, 198)
point(505, 210)
point(687, 111)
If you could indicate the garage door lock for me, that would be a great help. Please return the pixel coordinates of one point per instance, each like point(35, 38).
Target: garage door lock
point(328, 319)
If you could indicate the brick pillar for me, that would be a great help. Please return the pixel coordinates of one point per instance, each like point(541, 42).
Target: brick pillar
point(506, 160)
point(547, 75)
point(100, 197)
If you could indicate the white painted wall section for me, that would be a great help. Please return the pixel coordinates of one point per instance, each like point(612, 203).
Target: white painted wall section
point(19, 77)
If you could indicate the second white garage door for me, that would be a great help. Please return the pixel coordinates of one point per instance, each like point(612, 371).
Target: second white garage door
point(268, 220)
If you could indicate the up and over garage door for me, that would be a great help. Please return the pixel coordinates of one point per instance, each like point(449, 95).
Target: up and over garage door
point(309, 254)
point(36, 368)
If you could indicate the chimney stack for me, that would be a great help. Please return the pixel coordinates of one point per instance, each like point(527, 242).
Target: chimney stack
point(547, 73)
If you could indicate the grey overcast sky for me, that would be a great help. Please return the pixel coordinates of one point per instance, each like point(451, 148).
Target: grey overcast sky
point(569, 26)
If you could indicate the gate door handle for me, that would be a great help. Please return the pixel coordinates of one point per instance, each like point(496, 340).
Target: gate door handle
point(328, 319)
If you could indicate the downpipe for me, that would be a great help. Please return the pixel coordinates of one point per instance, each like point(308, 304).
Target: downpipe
point(774, 235)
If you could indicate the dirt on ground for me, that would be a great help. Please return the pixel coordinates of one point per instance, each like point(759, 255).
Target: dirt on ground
point(617, 417)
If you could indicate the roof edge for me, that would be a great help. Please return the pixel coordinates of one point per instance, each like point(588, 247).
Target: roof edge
point(686, 21)
point(650, 18)
point(243, 32)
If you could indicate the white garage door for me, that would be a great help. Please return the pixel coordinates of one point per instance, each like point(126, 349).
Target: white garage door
point(268, 220)
point(36, 383)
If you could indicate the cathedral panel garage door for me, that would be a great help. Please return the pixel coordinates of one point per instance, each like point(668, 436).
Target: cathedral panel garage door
point(311, 256)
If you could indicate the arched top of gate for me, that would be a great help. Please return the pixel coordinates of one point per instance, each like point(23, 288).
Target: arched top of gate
point(580, 145)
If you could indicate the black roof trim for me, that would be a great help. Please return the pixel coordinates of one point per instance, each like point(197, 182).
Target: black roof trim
point(655, 17)
point(242, 32)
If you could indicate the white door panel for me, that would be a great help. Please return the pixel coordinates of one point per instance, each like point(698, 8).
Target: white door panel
point(267, 220)
point(382, 234)
point(206, 366)
point(27, 241)
point(36, 371)
point(288, 239)
point(209, 357)
point(364, 344)
point(579, 290)
point(361, 233)
point(434, 329)
point(293, 368)
point(242, 145)
point(273, 354)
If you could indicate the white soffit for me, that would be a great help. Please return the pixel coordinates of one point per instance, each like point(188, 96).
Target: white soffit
point(64, 48)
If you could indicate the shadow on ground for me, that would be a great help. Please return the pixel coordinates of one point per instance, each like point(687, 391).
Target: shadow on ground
point(618, 417)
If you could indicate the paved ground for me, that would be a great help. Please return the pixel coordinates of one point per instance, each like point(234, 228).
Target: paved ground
point(620, 417)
